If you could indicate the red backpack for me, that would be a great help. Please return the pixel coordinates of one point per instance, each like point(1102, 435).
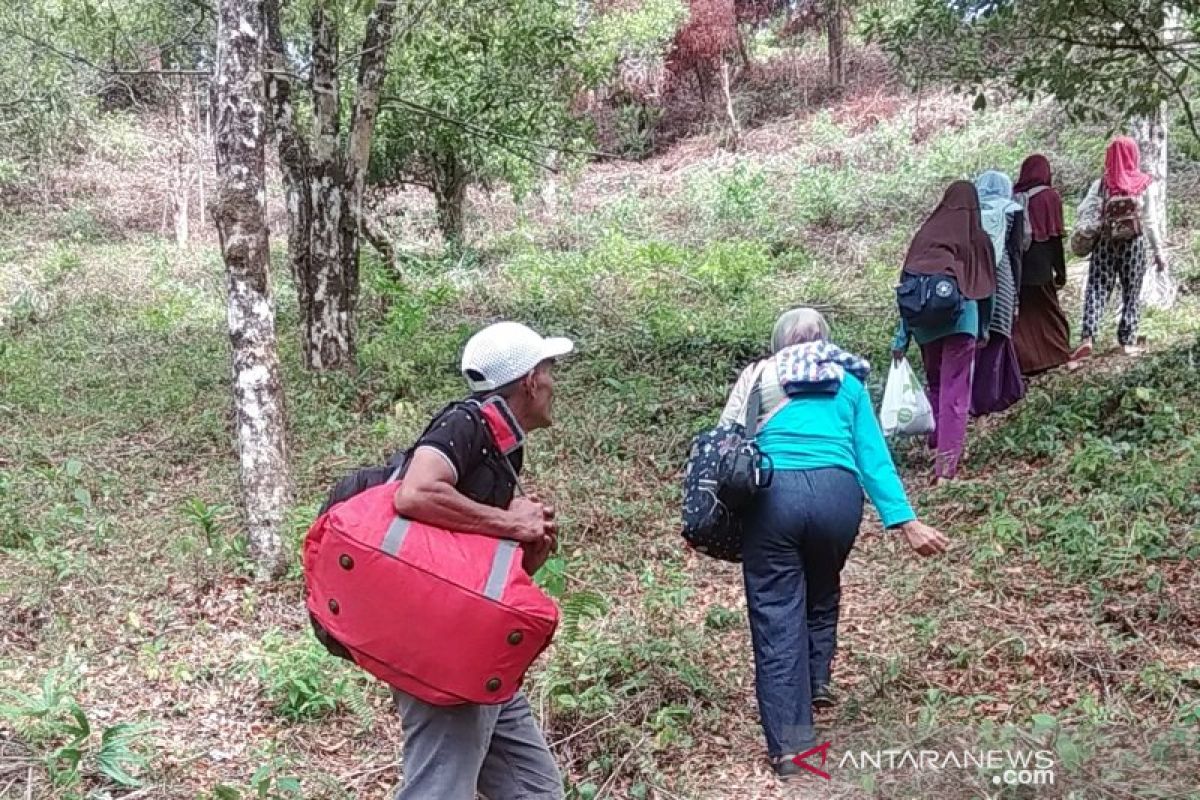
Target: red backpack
point(447, 617)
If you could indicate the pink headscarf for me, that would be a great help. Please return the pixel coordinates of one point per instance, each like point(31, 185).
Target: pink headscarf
point(1121, 172)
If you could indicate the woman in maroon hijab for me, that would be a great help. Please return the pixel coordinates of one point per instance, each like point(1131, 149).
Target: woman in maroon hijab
point(1041, 334)
point(952, 242)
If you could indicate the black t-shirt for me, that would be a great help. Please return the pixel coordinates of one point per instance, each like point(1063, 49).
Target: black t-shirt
point(460, 435)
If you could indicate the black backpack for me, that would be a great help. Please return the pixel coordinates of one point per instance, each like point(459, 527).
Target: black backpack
point(928, 301)
point(725, 470)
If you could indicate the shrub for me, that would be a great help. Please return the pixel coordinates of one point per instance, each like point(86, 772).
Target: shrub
point(302, 681)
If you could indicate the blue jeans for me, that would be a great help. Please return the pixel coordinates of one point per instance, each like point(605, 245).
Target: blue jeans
point(798, 535)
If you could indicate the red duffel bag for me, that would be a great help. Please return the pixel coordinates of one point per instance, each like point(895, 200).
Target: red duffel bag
point(447, 617)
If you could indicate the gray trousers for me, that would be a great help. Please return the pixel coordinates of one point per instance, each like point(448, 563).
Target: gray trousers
point(452, 752)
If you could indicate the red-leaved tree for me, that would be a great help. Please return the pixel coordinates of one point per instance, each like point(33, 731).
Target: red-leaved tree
point(756, 12)
point(703, 42)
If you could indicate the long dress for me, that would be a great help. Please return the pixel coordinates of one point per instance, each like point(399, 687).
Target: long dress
point(1042, 334)
point(998, 383)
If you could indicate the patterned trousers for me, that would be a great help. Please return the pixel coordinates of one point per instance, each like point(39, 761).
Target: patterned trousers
point(1113, 263)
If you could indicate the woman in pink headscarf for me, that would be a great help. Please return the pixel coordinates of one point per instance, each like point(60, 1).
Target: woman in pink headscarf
point(1124, 242)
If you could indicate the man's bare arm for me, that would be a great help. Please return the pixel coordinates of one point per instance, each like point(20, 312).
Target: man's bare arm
point(427, 494)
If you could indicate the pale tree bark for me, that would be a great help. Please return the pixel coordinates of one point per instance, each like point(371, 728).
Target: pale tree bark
point(549, 187)
point(1151, 135)
point(324, 179)
point(239, 211)
point(180, 199)
point(202, 145)
point(735, 129)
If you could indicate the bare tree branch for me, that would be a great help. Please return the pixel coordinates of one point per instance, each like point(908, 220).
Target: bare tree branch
point(372, 69)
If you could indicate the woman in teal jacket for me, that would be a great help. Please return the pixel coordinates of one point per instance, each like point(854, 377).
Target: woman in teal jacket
point(819, 429)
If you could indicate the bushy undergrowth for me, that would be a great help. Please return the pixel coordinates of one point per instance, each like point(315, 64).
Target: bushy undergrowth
point(1112, 463)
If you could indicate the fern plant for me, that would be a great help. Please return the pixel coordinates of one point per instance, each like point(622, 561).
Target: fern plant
point(578, 607)
point(52, 722)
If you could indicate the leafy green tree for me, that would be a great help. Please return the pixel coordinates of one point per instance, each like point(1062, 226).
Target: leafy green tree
point(480, 93)
point(1118, 62)
point(64, 61)
point(628, 46)
point(1102, 60)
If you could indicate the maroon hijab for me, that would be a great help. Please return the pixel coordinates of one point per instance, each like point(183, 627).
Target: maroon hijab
point(952, 242)
point(1045, 208)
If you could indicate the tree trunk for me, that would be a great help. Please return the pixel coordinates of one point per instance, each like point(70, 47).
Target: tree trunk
point(332, 279)
point(449, 193)
point(293, 157)
point(323, 185)
point(834, 30)
point(372, 69)
point(549, 187)
point(743, 51)
point(1151, 135)
point(203, 142)
point(181, 173)
point(735, 130)
point(240, 215)
point(180, 199)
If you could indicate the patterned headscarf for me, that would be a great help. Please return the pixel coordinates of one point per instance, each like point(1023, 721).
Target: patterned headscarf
point(817, 367)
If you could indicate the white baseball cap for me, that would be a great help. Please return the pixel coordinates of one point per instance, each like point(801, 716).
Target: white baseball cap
point(501, 353)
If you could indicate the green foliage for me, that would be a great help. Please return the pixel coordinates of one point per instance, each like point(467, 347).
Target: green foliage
point(478, 92)
point(52, 722)
point(1102, 61)
point(269, 782)
point(302, 681)
point(204, 517)
point(54, 77)
point(579, 607)
point(635, 33)
point(669, 286)
point(1106, 500)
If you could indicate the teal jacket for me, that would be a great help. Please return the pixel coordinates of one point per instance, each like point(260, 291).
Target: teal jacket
point(819, 431)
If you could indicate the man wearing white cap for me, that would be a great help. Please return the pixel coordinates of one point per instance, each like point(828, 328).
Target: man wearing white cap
point(457, 479)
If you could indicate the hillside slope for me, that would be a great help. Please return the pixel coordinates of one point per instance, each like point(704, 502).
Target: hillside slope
point(1068, 605)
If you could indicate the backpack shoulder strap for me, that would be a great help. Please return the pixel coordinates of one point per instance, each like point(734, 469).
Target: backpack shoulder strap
point(754, 401)
point(401, 461)
point(476, 410)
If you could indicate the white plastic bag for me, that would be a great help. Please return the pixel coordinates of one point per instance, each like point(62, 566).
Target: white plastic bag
point(1088, 218)
point(905, 408)
point(1159, 290)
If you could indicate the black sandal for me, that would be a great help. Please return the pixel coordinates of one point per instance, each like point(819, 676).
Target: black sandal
point(785, 767)
point(823, 697)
